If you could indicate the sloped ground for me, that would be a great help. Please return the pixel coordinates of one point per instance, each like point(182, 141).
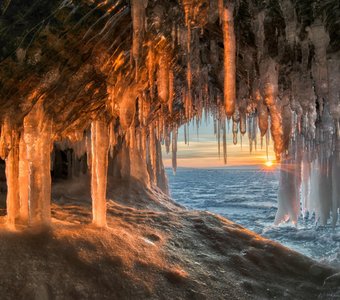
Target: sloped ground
point(147, 254)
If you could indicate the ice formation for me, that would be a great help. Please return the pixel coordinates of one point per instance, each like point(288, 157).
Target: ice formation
point(229, 42)
point(104, 105)
point(99, 165)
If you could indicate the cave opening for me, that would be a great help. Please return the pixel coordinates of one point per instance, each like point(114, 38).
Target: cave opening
point(246, 190)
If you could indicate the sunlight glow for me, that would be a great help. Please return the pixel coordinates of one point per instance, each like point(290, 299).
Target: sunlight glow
point(269, 163)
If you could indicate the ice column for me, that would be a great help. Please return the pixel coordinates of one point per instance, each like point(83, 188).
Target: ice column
point(229, 42)
point(12, 169)
point(38, 142)
point(23, 179)
point(336, 179)
point(99, 165)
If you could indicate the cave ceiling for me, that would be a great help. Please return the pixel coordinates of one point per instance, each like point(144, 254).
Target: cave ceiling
point(84, 58)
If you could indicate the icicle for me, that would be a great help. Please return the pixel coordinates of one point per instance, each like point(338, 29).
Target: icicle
point(236, 120)
point(220, 10)
point(229, 42)
point(335, 179)
point(305, 185)
point(163, 79)
point(5, 138)
point(250, 129)
point(259, 34)
point(334, 86)
point(144, 143)
point(263, 117)
point(289, 15)
point(224, 141)
point(174, 148)
point(99, 166)
point(127, 107)
point(138, 21)
point(219, 137)
point(112, 137)
point(153, 154)
point(187, 5)
point(320, 39)
point(269, 82)
point(173, 35)
point(88, 149)
point(151, 67)
point(171, 91)
point(288, 202)
point(267, 144)
point(243, 122)
point(325, 192)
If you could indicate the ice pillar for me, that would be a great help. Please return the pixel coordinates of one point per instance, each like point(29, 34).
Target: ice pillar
point(99, 165)
point(23, 179)
point(12, 169)
point(38, 144)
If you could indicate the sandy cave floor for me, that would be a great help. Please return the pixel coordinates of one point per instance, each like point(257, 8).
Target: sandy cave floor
point(164, 253)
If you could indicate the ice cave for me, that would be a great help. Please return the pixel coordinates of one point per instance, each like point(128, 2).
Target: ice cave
point(94, 92)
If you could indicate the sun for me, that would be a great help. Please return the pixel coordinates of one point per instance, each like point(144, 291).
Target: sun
point(268, 163)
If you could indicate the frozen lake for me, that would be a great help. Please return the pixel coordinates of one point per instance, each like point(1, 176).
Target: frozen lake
point(249, 197)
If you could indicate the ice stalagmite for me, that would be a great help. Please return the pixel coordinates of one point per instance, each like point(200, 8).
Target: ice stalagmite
point(99, 165)
point(38, 141)
point(229, 42)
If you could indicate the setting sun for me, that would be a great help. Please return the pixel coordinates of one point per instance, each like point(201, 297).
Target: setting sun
point(268, 163)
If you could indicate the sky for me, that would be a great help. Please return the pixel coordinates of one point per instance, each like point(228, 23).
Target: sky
point(202, 150)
